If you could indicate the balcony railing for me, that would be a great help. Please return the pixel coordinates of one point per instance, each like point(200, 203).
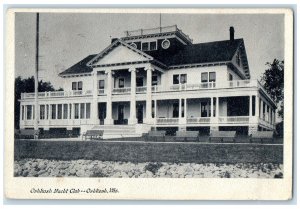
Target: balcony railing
point(197, 120)
point(167, 121)
point(125, 90)
point(155, 89)
point(234, 119)
point(73, 93)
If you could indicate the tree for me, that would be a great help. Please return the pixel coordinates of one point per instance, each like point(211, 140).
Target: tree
point(273, 82)
point(26, 86)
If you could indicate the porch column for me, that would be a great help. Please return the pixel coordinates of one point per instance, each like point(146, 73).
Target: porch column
point(155, 109)
point(211, 107)
point(256, 106)
point(108, 120)
point(185, 108)
point(132, 118)
point(180, 108)
point(94, 105)
point(250, 105)
point(148, 95)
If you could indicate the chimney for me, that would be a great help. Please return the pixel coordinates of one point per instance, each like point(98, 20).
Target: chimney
point(231, 30)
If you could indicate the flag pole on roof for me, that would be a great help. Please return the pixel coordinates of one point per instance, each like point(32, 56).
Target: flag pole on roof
point(36, 82)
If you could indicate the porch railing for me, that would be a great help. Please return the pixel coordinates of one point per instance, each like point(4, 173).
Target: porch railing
point(57, 94)
point(101, 91)
point(167, 121)
point(234, 119)
point(141, 89)
point(121, 90)
point(197, 120)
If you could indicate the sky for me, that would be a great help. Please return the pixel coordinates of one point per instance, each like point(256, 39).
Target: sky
point(66, 38)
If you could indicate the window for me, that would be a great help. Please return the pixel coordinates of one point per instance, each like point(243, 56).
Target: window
point(74, 85)
point(29, 111)
point(133, 45)
point(175, 110)
point(149, 46)
point(80, 85)
point(82, 110)
point(183, 78)
point(204, 77)
point(77, 85)
point(47, 112)
point(53, 111)
point(65, 111)
point(176, 79)
point(59, 111)
point(70, 109)
point(230, 77)
point(140, 81)
point(42, 112)
point(153, 45)
point(212, 77)
point(76, 112)
point(101, 84)
point(145, 46)
point(154, 80)
point(204, 109)
point(121, 82)
point(88, 110)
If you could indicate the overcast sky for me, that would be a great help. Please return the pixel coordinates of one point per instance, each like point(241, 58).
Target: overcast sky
point(67, 38)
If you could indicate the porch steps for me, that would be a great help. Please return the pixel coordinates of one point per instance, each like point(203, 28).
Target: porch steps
point(117, 131)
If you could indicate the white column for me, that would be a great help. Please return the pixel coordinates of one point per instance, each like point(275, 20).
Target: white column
point(155, 109)
point(94, 105)
point(261, 108)
point(250, 105)
point(108, 120)
point(256, 106)
point(132, 117)
point(180, 109)
point(149, 96)
point(211, 107)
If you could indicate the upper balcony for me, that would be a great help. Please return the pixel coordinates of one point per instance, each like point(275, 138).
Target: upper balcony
point(235, 84)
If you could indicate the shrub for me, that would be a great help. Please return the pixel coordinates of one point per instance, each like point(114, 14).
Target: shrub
point(153, 167)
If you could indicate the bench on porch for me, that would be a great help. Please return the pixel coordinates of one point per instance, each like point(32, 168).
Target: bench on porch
point(187, 136)
point(222, 136)
point(28, 133)
point(262, 136)
point(156, 136)
point(97, 134)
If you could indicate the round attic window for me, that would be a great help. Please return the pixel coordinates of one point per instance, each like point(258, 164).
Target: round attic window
point(165, 44)
point(133, 45)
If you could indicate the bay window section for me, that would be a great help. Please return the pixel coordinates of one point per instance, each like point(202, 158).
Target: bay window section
point(29, 112)
point(53, 111)
point(76, 112)
point(59, 111)
point(88, 110)
point(42, 112)
point(65, 111)
point(82, 107)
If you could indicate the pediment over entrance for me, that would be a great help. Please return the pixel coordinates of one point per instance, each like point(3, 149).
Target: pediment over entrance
point(121, 53)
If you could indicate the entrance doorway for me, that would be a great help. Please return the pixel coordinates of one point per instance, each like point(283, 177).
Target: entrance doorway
point(140, 111)
point(120, 113)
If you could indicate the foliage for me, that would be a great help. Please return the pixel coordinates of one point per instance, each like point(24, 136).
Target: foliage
point(273, 82)
point(153, 167)
point(26, 86)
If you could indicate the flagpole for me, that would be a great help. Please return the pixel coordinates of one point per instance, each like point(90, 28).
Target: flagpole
point(36, 83)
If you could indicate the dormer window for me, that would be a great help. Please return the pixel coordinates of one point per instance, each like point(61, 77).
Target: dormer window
point(149, 46)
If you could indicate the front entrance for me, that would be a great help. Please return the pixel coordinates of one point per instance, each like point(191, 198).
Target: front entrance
point(140, 115)
point(120, 113)
point(102, 112)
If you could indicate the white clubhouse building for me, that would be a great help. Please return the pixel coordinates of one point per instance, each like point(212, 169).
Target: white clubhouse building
point(156, 79)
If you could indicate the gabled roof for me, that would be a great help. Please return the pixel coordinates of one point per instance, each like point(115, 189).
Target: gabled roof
point(218, 51)
point(211, 52)
point(80, 67)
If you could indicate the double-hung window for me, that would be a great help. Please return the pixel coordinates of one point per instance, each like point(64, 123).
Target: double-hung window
point(121, 82)
point(179, 78)
point(77, 85)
